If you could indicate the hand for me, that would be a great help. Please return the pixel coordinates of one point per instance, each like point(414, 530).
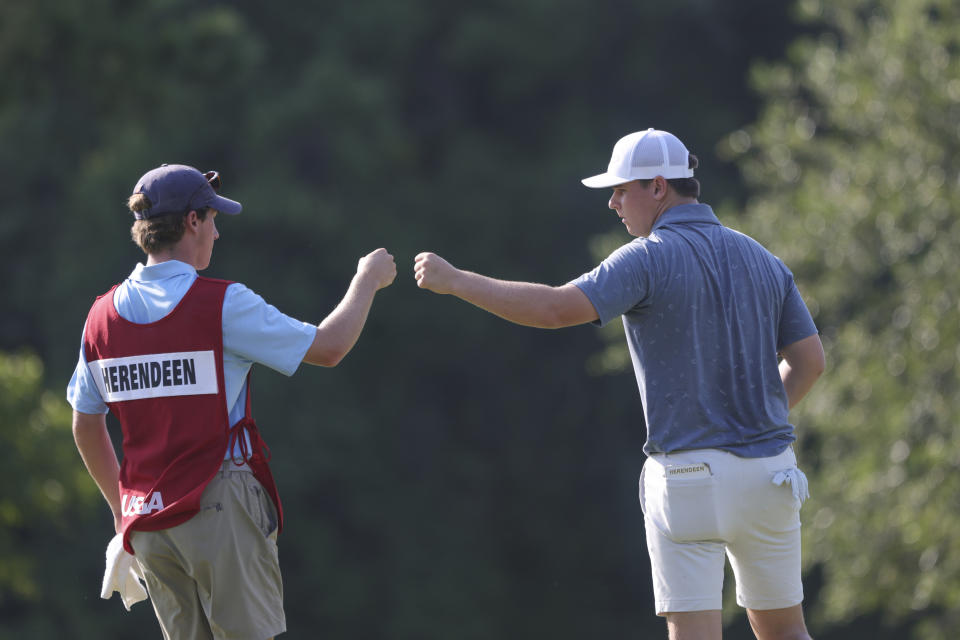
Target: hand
point(434, 273)
point(379, 267)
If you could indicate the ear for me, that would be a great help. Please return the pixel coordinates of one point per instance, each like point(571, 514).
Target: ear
point(659, 187)
point(193, 221)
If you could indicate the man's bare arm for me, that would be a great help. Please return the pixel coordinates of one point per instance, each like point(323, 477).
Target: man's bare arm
point(803, 362)
point(93, 442)
point(526, 303)
point(340, 330)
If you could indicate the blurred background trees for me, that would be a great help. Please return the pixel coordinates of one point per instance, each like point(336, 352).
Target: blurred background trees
point(457, 476)
point(852, 171)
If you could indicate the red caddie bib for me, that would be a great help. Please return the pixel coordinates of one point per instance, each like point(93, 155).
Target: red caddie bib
point(163, 381)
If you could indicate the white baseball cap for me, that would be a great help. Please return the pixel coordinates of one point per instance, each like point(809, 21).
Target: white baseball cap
point(643, 155)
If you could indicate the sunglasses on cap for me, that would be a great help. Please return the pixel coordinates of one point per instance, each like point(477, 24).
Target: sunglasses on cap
point(213, 177)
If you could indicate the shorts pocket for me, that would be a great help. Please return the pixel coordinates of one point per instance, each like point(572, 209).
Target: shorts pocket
point(260, 506)
point(681, 504)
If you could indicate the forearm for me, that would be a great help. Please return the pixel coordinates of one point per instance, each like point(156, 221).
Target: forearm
point(93, 442)
point(524, 303)
point(340, 330)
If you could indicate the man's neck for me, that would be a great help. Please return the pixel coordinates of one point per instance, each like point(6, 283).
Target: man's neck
point(175, 253)
point(679, 200)
point(670, 203)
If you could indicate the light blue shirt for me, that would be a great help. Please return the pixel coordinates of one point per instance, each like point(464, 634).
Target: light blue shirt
point(706, 309)
point(253, 331)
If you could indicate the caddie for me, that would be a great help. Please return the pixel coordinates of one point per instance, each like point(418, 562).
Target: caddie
point(722, 346)
point(169, 352)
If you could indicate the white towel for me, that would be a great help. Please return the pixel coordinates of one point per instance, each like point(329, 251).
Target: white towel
point(797, 481)
point(122, 575)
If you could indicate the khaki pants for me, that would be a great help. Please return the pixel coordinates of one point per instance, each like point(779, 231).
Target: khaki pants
point(217, 575)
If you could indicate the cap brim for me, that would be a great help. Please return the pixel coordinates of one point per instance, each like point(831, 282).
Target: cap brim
point(226, 205)
point(604, 180)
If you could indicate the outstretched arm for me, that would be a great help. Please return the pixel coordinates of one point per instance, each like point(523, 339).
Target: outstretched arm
point(526, 303)
point(93, 442)
point(803, 362)
point(340, 330)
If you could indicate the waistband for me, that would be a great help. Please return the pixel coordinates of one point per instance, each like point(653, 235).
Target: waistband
point(229, 465)
point(789, 449)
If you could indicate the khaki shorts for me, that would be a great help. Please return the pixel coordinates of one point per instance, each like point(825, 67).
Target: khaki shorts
point(217, 575)
point(699, 505)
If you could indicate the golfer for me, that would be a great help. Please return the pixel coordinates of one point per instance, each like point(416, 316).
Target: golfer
point(169, 352)
point(722, 346)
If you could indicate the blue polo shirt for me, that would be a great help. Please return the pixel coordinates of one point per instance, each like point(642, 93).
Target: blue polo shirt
point(705, 309)
point(253, 331)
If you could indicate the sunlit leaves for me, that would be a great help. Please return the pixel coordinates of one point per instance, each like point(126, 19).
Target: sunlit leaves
point(870, 225)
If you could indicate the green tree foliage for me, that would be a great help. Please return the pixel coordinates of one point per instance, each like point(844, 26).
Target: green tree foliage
point(38, 460)
point(853, 173)
point(46, 508)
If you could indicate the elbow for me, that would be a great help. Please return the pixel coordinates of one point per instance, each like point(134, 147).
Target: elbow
point(812, 368)
point(818, 363)
point(806, 357)
point(545, 321)
point(554, 317)
point(333, 359)
point(325, 357)
point(551, 321)
point(85, 424)
point(328, 359)
point(567, 306)
point(326, 350)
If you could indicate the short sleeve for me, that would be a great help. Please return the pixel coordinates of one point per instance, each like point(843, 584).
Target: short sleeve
point(619, 283)
point(796, 323)
point(256, 331)
point(82, 392)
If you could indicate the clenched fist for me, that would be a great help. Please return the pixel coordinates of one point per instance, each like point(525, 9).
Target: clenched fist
point(379, 267)
point(434, 273)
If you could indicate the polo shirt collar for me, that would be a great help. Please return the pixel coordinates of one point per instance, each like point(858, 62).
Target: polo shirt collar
point(686, 213)
point(161, 271)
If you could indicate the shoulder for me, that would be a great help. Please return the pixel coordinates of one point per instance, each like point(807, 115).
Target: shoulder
point(761, 260)
point(740, 236)
point(101, 301)
point(239, 301)
point(215, 282)
point(106, 295)
point(639, 248)
point(237, 291)
point(213, 285)
point(750, 241)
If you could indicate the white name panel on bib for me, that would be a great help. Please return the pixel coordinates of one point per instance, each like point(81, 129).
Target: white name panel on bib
point(158, 375)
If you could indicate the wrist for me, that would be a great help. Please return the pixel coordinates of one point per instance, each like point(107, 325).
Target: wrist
point(365, 282)
point(459, 283)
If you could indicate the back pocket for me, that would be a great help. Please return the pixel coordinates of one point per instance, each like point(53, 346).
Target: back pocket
point(680, 501)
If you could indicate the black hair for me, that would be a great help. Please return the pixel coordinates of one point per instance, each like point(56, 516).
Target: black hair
point(686, 187)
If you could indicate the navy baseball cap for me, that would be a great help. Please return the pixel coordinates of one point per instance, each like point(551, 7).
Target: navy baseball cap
point(177, 188)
